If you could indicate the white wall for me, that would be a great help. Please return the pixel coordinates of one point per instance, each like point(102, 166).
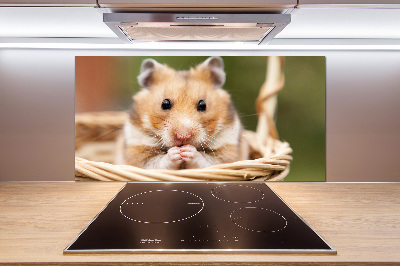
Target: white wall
point(37, 111)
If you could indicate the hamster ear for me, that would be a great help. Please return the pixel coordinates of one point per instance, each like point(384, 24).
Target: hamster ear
point(147, 69)
point(215, 65)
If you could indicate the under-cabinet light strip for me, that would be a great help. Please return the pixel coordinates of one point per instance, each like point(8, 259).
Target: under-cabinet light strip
point(196, 46)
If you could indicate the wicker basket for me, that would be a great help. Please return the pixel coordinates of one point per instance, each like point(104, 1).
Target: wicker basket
point(96, 133)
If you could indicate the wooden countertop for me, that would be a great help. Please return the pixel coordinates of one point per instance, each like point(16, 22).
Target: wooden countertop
point(360, 220)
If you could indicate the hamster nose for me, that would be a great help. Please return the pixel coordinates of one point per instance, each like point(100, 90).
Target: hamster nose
point(183, 134)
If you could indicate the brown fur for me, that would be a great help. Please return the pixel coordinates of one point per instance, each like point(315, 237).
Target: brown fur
point(132, 154)
point(184, 90)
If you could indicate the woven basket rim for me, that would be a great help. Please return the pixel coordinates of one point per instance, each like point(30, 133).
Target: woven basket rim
point(267, 168)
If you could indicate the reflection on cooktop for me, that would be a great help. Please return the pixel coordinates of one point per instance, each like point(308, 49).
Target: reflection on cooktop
point(198, 217)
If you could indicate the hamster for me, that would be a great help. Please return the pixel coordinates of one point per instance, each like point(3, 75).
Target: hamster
point(181, 119)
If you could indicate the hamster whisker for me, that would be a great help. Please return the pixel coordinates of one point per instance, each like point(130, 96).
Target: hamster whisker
point(203, 141)
point(105, 133)
point(163, 121)
point(201, 144)
point(160, 140)
point(153, 148)
point(211, 149)
point(154, 136)
point(255, 114)
point(219, 142)
point(211, 142)
point(251, 115)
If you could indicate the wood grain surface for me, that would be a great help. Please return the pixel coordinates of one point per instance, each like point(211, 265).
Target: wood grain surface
point(360, 220)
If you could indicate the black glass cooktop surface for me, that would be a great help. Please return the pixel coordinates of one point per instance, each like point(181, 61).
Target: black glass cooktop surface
point(198, 217)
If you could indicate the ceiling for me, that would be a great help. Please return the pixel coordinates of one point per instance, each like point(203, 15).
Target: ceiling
point(21, 24)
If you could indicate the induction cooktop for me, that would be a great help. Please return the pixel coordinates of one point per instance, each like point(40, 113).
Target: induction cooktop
point(198, 217)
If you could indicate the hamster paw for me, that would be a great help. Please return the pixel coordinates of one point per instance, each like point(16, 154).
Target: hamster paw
point(195, 159)
point(189, 153)
point(174, 157)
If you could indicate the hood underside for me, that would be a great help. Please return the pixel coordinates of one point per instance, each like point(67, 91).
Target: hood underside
point(257, 28)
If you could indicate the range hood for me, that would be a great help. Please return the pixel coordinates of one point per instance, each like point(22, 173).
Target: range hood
point(258, 28)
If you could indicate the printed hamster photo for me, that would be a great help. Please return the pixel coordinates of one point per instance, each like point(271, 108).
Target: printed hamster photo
point(206, 118)
point(181, 119)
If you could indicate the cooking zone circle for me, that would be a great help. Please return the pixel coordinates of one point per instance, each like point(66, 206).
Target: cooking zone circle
point(237, 194)
point(257, 219)
point(161, 206)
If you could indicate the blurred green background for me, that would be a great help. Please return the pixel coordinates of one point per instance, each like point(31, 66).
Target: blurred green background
point(301, 104)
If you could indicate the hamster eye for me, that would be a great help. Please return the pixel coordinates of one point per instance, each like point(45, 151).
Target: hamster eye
point(166, 104)
point(201, 106)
